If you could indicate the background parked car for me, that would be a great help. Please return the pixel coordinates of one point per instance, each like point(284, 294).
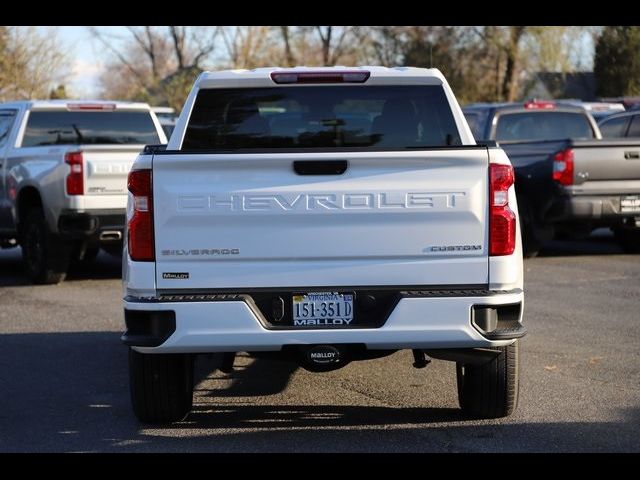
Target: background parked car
point(63, 178)
point(621, 125)
point(167, 117)
point(568, 180)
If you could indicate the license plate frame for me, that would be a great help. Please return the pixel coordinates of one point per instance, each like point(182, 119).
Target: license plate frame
point(338, 310)
point(630, 204)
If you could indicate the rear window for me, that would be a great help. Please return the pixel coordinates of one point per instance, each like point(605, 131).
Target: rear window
point(614, 127)
point(474, 119)
point(321, 117)
point(71, 128)
point(542, 126)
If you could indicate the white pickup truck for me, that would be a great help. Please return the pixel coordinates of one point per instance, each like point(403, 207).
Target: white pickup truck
point(63, 178)
point(325, 215)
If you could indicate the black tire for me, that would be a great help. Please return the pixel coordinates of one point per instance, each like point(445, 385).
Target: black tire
point(628, 239)
point(161, 386)
point(490, 390)
point(45, 255)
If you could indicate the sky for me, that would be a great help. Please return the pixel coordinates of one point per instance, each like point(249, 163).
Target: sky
point(89, 57)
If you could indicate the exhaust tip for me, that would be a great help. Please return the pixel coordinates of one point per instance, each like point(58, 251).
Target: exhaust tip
point(110, 235)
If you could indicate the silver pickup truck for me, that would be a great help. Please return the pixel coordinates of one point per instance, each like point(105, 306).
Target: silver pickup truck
point(63, 178)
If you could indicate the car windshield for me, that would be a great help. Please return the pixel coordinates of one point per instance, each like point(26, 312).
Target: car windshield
point(72, 128)
point(321, 117)
point(523, 126)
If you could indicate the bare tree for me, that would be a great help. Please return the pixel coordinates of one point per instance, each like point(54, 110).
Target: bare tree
point(248, 46)
point(512, 69)
point(316, 45)
point(382, 45)
point(518, 52)
point(290, 59)
point(156, 64)
point(31, 63)
point(334, 43)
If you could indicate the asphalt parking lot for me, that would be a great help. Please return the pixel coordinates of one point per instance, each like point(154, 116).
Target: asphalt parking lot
point(64, 380)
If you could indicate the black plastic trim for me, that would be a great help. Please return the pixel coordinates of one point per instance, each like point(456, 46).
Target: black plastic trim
point(148, 328)
point(498, 322)
point(409, 290)
point(511, 333)
point(320, 167)
point(83, 224)
point(473, 292)
point(154, 149)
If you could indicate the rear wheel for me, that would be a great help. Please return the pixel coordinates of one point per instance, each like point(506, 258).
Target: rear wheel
point(46, 256)
point(490, 390)
point(628, 238)
point(161, 386)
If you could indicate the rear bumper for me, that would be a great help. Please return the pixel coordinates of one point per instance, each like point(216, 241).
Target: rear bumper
point(425, 322)
point(604, 208)
point(106, 225)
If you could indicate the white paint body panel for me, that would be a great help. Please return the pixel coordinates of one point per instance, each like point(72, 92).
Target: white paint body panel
point(375, 224)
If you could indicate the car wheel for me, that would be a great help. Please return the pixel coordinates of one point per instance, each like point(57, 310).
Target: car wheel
point(161, 386)
point(490, 390)
point(46, 257)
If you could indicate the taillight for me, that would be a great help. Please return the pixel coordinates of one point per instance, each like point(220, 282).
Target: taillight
point(563, 167)
point(321, 77)
point(502, 225)
point(75, 178)
point(141, 248)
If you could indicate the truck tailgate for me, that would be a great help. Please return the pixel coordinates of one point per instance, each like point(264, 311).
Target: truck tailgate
point(250, 221)
point(604, 167)
point(107, 167)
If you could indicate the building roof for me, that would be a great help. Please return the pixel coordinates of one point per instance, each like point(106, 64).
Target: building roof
point(578, 85)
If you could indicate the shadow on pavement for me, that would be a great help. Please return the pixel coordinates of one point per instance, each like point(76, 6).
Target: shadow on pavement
point(12, 274)
point(69, 392)
point(600, 242)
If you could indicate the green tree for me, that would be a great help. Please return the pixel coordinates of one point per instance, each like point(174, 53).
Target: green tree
point(617, 61)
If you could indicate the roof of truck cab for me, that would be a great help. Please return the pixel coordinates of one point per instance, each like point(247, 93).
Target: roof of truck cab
point(263, 75)
point(520, 106)
point(62, 104)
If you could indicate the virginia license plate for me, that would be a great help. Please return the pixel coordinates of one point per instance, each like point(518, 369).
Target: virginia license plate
point(323, 309)
point(630, 204)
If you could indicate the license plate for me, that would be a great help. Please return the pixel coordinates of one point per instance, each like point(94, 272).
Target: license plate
point(630, 203)
point(323, 309)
